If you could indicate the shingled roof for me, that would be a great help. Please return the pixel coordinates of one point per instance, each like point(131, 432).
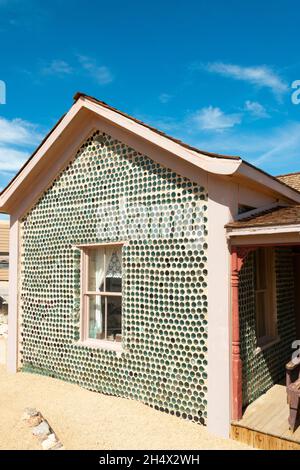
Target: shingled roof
point(275, 216)
point(291, 179)
point(272, 217)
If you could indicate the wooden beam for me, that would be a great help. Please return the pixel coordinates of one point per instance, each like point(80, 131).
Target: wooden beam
point(260, 440)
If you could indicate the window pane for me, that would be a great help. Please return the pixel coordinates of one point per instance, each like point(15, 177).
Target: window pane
point(261, 314)
point(105, 317)
point(113, 262)
point(96, 270)
point(96, 306)
point(114, 318)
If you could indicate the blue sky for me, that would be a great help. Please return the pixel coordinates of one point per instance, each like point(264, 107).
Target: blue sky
point(216, 74)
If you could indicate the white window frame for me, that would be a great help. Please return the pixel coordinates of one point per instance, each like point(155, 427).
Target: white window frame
point(85, 293)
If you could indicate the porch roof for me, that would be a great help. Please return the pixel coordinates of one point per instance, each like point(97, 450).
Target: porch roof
point(274, 225)
point(270, 217)
point(291, 179)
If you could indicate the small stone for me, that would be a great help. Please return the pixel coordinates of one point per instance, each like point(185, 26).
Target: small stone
point(50, 442)
point(29, 413)
point(41, 430)
point(34, 420)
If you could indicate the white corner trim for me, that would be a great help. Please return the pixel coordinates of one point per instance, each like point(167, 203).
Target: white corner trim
point(13, 334)
point(222, 203)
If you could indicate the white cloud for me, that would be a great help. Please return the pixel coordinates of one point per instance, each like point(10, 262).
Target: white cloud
point(18, 132)
point(276, 150)
point(11, 159)
point(284, 144)
point(17, 139)
point(261, 76)
point(211, 118)
point(87, 66)
point(164, 98)
point(57, 67)
point(100, 73)
point(256, 109)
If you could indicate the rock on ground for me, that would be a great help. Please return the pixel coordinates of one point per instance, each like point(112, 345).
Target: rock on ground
point(50, 442)
point(41, 430)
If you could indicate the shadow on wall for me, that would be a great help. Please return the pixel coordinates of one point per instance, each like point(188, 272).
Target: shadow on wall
point(263, 370)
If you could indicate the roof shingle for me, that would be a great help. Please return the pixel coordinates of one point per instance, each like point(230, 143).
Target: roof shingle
point(276, 216)
point(291, 179)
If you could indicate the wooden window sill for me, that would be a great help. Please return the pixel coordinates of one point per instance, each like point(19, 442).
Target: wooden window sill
point(102, 344)
point(267, 345)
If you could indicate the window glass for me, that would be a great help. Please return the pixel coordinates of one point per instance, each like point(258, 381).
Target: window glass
point(96, 270)
point(114, 317)
point(96, 310)
point(113, 276)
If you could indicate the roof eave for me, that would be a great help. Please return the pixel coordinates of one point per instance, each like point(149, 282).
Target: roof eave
point(262, 178)
point(216, 165)
point(263, 230)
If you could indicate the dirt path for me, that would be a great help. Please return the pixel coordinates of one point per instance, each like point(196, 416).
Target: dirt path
point(88, 420)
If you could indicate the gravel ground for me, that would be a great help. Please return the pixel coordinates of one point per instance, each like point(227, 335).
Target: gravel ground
point(87, 420)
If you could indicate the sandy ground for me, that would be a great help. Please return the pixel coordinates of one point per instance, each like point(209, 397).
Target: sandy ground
point(88, 420)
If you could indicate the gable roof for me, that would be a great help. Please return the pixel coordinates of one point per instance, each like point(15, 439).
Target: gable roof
point(291, 179)
point(154, 129)
point(82, 116)
point(105, 105)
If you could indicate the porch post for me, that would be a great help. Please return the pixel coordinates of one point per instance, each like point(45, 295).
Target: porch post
point(238, 256)
point(237, 391)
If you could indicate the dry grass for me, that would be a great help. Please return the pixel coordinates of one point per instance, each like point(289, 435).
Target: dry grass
point(87, 420)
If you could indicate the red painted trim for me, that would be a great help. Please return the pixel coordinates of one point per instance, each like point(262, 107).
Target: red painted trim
point(238, 256)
